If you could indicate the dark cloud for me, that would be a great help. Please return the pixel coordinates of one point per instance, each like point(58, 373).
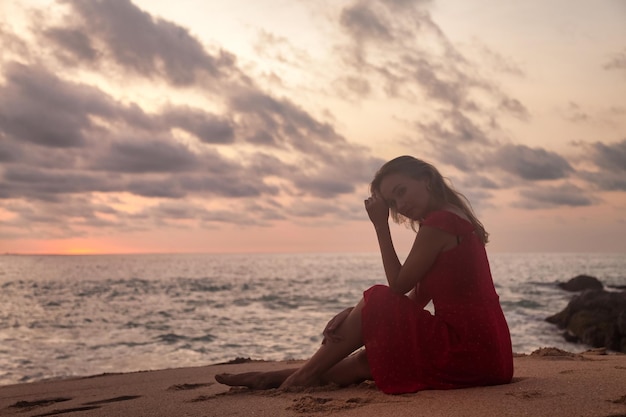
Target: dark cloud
point(610, 160)
point(480, 181)
point(453, 127)
point(138, 156)
point(73, 41)
point(607, 181)
point(155, 187)
point(610, 157)
point(363, 23)
point(50, 185)
point(318, 209)
point(207, 127)
point(139, 42)
point(9, 151)
point(233, 185)
point(533, 164)
point(280, 123)
point(45, 111)
point(514, 107)
point(566, 195)
point(38, 107)
point(325, 187)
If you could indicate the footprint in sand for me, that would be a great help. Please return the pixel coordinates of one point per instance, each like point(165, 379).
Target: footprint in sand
point(620, 400)
point(92, 405)
point(186, 387)
point(532, 394)
point(29, 405)
point(113, 400)
point(311, 404)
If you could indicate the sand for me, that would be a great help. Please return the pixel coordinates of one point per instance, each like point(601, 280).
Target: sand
point(548, 382)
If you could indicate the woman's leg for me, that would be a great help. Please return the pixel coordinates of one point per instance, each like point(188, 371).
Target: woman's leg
point(256, 380)
point(351, 370)
point(331, 353)
point(331, 363)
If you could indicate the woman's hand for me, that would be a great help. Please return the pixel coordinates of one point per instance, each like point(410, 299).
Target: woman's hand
point(377, 210)
point(333, 325)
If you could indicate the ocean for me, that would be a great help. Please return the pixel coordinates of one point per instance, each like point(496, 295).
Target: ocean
point(64, 316)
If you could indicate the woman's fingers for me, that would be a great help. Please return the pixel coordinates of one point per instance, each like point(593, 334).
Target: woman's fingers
point(334, 323)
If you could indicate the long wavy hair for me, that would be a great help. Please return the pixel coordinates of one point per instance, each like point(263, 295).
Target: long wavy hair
point(440, 190)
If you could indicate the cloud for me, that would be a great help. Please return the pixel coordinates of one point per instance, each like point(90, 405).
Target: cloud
point(50, 185)
point(565, 195)
point(400, 52)
point(77, 45)
point(38, 107)
point(533, 164)
point(282, 124)
point(62, 219)
point(364, 24)
point(66, 140)
point(610, 160)
point(133, 121)
point(481, 181)
point(137, 41)
point(209, 128)
point(134, 155)
point(610, 156)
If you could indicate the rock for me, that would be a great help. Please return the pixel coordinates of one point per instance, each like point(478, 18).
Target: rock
point(596, 318)
point(580, 283)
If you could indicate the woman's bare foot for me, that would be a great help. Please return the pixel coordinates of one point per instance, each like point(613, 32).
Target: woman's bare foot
point(255, 380)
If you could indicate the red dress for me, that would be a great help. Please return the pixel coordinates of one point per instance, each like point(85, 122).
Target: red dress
point(465, 343)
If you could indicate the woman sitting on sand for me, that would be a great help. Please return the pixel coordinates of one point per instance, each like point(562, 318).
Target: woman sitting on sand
point(465, 343)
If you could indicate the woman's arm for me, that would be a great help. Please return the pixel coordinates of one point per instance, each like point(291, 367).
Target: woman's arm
point(391, 263)
point(429, 242)
point(378, 212)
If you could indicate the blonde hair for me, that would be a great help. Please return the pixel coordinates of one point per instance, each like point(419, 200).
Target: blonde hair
point(440, 189)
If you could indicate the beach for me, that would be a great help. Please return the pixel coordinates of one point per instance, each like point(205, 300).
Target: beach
point(548, 381)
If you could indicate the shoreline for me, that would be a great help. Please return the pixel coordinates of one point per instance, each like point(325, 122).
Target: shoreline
point(548, 381)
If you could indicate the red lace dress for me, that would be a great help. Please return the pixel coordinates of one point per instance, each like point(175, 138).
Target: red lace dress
point(466, 342)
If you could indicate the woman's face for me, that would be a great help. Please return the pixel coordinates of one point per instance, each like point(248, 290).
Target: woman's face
point(406, 195)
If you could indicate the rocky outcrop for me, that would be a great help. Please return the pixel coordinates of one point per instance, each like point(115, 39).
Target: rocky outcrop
point(595, 317)
point(581, 283)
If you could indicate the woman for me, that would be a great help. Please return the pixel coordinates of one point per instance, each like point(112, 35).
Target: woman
point(465, 343)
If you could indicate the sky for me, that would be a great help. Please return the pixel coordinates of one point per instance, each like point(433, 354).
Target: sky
point(158, 126)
